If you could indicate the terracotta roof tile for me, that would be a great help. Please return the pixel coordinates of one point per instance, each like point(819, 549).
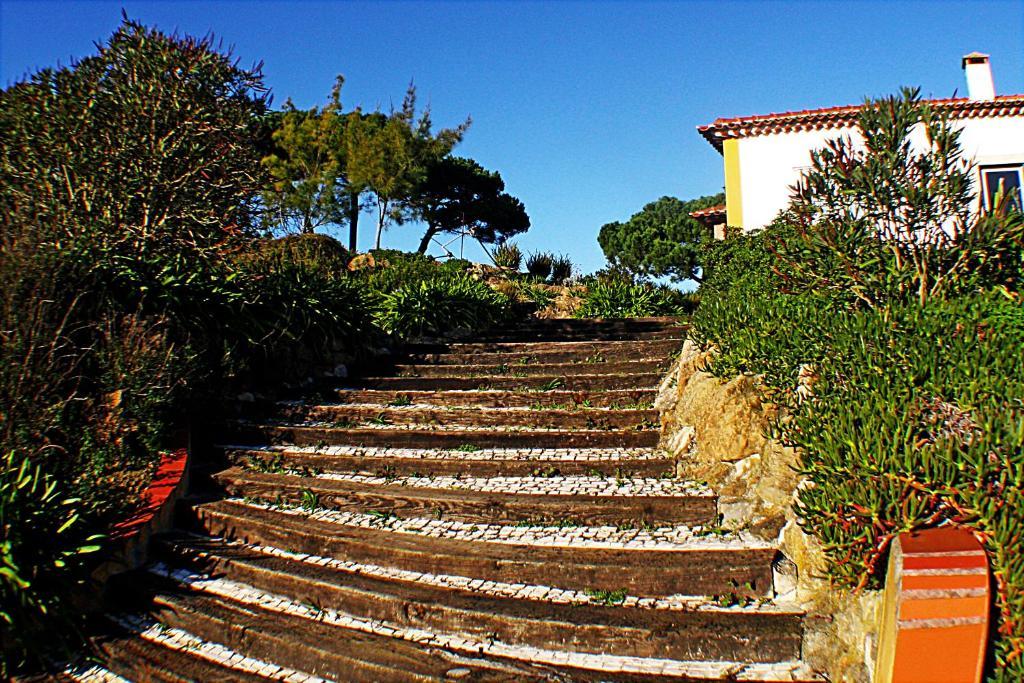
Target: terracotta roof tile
point(839, 117)
point(710, 212)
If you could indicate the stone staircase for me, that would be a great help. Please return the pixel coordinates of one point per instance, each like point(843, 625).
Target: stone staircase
point(487, 511)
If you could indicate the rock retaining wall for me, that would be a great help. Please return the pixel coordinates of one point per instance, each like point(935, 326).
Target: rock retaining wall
point(718, 432)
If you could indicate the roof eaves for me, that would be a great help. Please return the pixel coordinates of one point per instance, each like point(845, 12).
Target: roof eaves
point(835, 117)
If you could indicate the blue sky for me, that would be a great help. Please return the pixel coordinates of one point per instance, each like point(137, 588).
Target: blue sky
point(588, 109)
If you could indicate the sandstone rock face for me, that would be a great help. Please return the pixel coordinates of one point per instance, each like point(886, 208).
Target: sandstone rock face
point(361, 262)
point(718, 432)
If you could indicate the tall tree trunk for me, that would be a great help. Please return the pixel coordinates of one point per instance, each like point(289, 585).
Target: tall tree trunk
point(353, 221)
point(382, 212)
point(425, 242)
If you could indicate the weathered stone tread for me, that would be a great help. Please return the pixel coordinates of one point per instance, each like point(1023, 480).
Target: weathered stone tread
point(570, 382)
point(361, 493)
point(577, 665)
point(616, 398)
point(424, 414)
point(695, 632)
point(646, 563)
point(435, 436)
point(485, 462)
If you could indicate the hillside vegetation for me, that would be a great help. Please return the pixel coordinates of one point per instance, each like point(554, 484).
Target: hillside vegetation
point(884, 312)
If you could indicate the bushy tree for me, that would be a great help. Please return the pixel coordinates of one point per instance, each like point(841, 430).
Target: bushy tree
point(888, 219)
point(661, 240)
point(147, 143)
point(458, 194)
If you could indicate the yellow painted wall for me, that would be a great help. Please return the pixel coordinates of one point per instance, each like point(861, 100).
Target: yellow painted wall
point(733, 197)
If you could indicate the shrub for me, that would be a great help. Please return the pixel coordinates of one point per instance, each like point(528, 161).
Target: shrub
point(539, 265)
point(440, 305)
point(508, 255)
point(41, 551)
point(313, 251)
point(884, 222)
point(561, 269)
point(626, 299)
point(395, 268)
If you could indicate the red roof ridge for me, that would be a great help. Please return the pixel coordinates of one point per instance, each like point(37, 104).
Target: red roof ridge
point(833, 117)
point(708, 211)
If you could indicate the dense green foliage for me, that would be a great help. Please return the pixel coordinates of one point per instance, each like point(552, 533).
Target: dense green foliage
point(440, 305)
point(898, 360)
point(660, 240)
point(623, 298)
point(120, 188)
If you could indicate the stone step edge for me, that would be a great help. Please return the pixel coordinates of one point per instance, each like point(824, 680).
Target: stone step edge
point(91, 673)
point(508, 591)
point(630, 391)
point(732, 671)
point(429, 427)
point(601, 487)
point(532, 535)
point(567, 342)
point(602, 455)
point(412, 407)
point(153, 631)
point(512, 368)
point(532, 378)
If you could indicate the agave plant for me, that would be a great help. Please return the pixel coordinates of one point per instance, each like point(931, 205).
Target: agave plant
point(561, 269)
point(508, 255)
point(539, 265)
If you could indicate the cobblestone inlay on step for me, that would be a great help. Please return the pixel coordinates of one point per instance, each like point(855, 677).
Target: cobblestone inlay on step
point(734, 671)
point(519, 591)
point(519, 410)
point(597, 455)
point(427, 427)
point(539, 486)
point(176, 639)
point(666, 538)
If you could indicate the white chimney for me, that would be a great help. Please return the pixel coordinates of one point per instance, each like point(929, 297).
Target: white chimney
point(979, 77)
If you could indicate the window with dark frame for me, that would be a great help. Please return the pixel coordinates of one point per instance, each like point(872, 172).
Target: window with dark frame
point(1005, 180)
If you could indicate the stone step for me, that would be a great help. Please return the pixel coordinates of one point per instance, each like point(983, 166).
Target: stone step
point(616, 348)
point(485, 462)
point(555, 399)
point(537, 383)
point(250, 433)
point(518, 614)
point(537, 353)
point(590, 324)
point(581, 500)
point(141, 649)
point(86, 672)
point(557, 665)
point(334, 652)
point(425, 414)
point(583, 331)
point(656, 562)
point(482, 367)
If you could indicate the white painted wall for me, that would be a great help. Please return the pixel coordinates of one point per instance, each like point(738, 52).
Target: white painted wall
point(771, 164)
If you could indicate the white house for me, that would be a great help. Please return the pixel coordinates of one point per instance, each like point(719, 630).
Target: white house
point(765, 155)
